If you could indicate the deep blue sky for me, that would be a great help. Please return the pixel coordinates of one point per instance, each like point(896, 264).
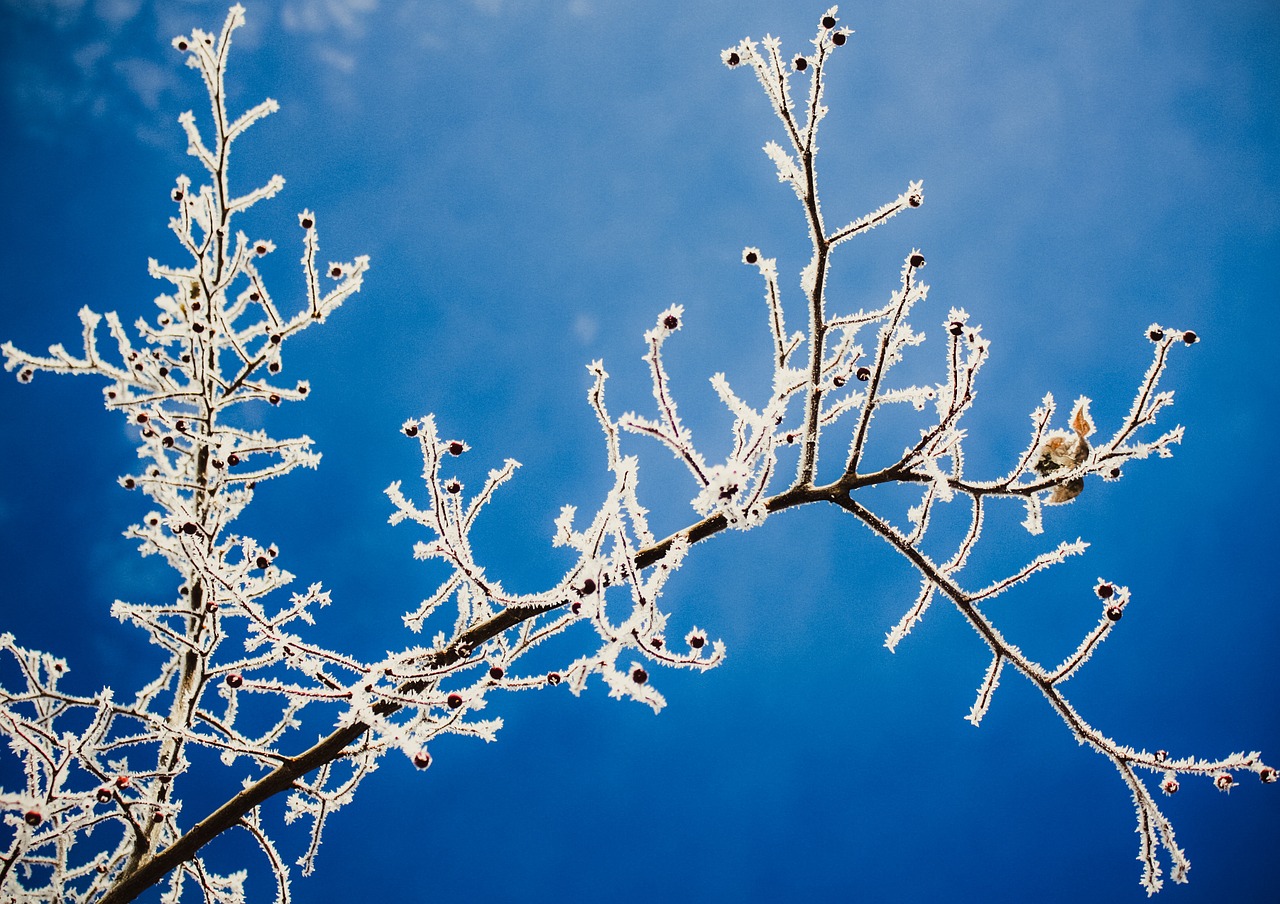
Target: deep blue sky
point(534, 182)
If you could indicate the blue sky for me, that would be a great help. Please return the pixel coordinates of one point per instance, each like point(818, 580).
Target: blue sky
point(535, 180)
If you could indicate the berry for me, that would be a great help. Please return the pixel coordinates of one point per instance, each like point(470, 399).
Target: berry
point(164, 371)
point(838, 382)
point(254, 296)
point(670, 321)
point(262, 562)
point(167, 442)
point(422, 759)
point(218, 464)
point(576, 608)
point(454, 701)
point(453, 486)
point(33, 818)
point(142, 417)
point(335, 271)
point(1169, 786)
point(130, 483)
point(697, 641)
point(103, 795)
point(273, 399)
point(828, 21)
point(915, 200)
point(182, 45)
point(190, 528)
point(955, 328)
point(153, 521)
point(863, 374)
point(177, 194)
point(457, 447)
point(122, 782)
point(274, 367)
point(1190, 338)
point(1105, 591)
point(197, 327)
point(733, 59)
point(553, 678)
point(1223, 781)
point(750, 257)
point(1268, 775)
point(1114, 613)
point(1155, 334)
point(839, 38)
point(25, 375)
point(307, 223)
point(588, 587)
point(801, 64)
point(639, 676)
point(916, 260)
point(1162, 755)
point(235, 679)
point(496, 673)
point(656, 643)
point(233, 459)
point(261, 249)
point(182, 426)
point(411, 430)
point(275, 339)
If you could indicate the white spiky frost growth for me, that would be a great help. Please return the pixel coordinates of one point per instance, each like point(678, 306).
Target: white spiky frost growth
point(119, 770)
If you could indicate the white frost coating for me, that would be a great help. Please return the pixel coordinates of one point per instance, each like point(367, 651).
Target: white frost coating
point(237, 649)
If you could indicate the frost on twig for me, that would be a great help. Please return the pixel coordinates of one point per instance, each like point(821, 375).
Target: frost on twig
point(237, 673)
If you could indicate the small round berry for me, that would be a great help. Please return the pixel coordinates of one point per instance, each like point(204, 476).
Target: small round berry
point(33, 818)
point(457, 447)
point(197, 327)
point(576, 608)
point(218, 464)
point(411, 430)
point(142, 417)
point(153, 521)
point(839, 38)
point(275, 339)
point(828, 21)
point(1223, 781)
point(453, 486)
point(261, 249)
point(233, 459)
point(1169, 786)
point(496, 673)
point(790, 438)
point(800, 64)
point(750, 257)
point(335, 271)
point(1155, 334)
point(454, 701)
point(182, 45)
point(1161, 755)
point(588, 587)
point(1114, 613)
point(235, 679)
point(915, 200)
point(422, 759)
point(186, 359)
point(837, 382)
point(103, 795)
point(122, 781)
point(167, 442)
point(671, 321)
point(190, 528)
point(307, 223)
point(656, 643)
point(211, 608)
point(262, 562)
point(182, 426)
point(1267, 775)
point(916, 260)
point(733, 59)
point(955, 328)
point(130, 483)
point(274, 367)
point(1190, 338)
point(254, 296)
point(273, 399)
point(164, 371)
point(177, 194)
point(553, 678)
point(639, 675)
point(697, 641)
point(863, 374)
point(1105, 591)
point(1114, 473)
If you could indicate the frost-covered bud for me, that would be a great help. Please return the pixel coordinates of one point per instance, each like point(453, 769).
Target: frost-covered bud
point(234, 680)
point(496, 673)
point(422, 759)
point(800, 64)
point(1223, 781)
point(1190, 338)
point(1162, 755)
point(1169, 786)
point(33, 817)
point(454, 701)
point(639, 675)
point(553, 678)
point(863, 374)
point(1267, 775)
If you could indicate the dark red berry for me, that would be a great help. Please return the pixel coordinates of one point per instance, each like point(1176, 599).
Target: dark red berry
point(1161, 755)
point(262, 562)
point(130, 483)
point(453, 486)
point(235, 679)
point(588, 587)
point(454, 701)
point(750, 257)
point(261, 249)
point(916, 260)
point(791, 437)
point(837, 382)
point(576, 608)
point(167, 442)
point(233, 459)
point(275, 339)
point(1224, 781)
point(122, 781)
point(142, 417)
point(103, 795)
point(1105, 591)
point(335, 272)
point(955, 328)
point(639, 676)
point(182, 426)
point(915, 200)
point(306, 223)
point(153, 521)
point(553, 678)
point(828, 21)
point(839, 38)
point(1267, 775)
point(191, 528)
point(456, 448)
point(411, 430)
point(177, 194)
point(1190, 338)
point(1114, 613)
point(254, 296)
point(274, 367)
point(273, 399)
point(656, 643)
point(733, 59)
point(1169, 786)
point(33, 818)
point(218, 464)
point(863, 374)
point(164, 371)
point(697, 641)
point(210, 608)
point(197, 327)
point(496, 673)
point(1155, 335)
point(422, 759)
point(670, 321)
point(182, 45)
point(801, 64)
